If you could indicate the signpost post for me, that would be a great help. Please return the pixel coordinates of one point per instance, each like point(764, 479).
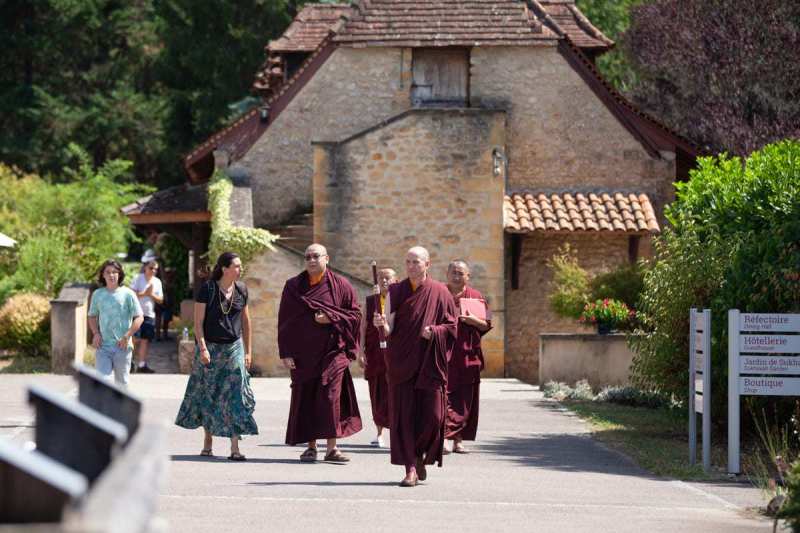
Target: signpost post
point(763, 355)
point(700, 383)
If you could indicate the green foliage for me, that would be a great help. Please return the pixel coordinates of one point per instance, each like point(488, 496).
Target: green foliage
point(65, 230)
point(570, 285)
point(247, 242)
point(623, 283)
point(633, 397)
point(790, 511)
point(175, 258)
point(735, 243)
point(560, 391)
point(25, 324)
point(612, 314)
point(612, 17)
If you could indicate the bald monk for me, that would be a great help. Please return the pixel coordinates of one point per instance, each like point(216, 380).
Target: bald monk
point(318, 335)
point(464, 369)
point(372, 357)
point(420, 322)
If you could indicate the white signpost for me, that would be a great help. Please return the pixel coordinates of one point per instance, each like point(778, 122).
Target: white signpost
point(751, 373)
point(700, 383)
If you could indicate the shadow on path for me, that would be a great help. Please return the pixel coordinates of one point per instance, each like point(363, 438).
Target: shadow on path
point(326, 483)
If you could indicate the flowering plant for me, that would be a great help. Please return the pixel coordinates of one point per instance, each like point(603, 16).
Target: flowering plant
point(608, 313)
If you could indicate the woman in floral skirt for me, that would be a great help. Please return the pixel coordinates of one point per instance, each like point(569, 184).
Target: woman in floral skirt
point(218, 396)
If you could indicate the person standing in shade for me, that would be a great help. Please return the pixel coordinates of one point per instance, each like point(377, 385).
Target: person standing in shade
point(372, 356)
point(218, 395)
point(420, 323)
point(114, 316)
point(150, 293)
point(318, 335)
point(464, 368)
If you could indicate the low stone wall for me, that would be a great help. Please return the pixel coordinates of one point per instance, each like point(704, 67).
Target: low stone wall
point(601, 359)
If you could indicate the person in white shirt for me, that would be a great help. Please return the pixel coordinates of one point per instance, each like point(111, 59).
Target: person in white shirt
point(149, 291)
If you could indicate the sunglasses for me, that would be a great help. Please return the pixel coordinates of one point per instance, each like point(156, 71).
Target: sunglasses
point(154, 269)
point(309, 257)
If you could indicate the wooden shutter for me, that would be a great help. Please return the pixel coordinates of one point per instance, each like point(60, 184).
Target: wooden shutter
point(441, 76)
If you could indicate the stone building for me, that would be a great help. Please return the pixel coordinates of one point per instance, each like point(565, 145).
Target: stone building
point(480, 130)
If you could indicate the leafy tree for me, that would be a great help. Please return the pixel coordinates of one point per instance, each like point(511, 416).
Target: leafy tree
point(211, 51)
point(79, 71)
point(612, 17)
point(722, 72)
point(65, 230)
point(734, 243)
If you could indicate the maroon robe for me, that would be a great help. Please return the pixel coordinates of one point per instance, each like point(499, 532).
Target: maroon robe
point(416, 369)
point(375, 370)
point(323, 402)
point(464, 377)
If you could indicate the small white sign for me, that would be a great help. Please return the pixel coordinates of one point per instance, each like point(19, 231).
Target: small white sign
point(698, 362)
point(768, 322)
point(698, 342)
point(700, 322)
point(698, 403)
point(698, 383)
point(769, 364)
point(769, 343)
point(769, 386)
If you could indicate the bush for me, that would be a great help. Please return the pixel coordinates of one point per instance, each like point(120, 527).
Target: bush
point(790, 511)
point(570, 285)
point(561, 391)
point(734, 243)
point(25, 324)
point(623, 283)
point(633, 397)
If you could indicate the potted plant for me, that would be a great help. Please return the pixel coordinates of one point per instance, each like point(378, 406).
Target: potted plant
point(608, 314)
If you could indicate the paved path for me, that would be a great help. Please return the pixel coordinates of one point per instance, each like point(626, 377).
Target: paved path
point(534, 468)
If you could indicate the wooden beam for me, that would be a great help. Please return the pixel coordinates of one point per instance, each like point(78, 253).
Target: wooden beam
point(516, 255)
point(175, 217)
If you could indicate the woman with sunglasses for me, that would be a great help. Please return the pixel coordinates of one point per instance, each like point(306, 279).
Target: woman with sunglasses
point(218, 396)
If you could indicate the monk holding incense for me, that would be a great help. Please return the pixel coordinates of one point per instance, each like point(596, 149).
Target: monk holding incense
point(420, 323)
point(464, 369)
point(318, 335)
point(372, 358)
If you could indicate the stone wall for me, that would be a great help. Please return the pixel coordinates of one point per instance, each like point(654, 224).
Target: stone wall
point(354, 89)
point(560, 135)
point(602, 360)
point(265, 277)
point(528, 311)
point(425, 177)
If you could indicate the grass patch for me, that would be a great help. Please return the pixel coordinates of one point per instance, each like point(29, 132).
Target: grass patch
point(23, 364)
point(656, 439)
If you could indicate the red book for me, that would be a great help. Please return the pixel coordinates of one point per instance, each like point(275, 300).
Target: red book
point(475, 306)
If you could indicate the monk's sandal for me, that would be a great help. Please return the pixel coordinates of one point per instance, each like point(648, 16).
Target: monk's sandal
point(309, 456)
point(336, 456)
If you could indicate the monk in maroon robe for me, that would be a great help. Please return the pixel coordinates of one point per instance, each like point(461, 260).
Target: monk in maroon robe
point(318, 335)
point(420, 322)
point(464, 369)
point(373, 358)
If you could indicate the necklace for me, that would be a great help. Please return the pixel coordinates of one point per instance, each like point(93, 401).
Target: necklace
point(222, 297)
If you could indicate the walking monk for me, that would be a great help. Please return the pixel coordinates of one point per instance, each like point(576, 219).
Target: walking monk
point(373, 359)
point(464, 370)
point(420, 322)
point(318, 335)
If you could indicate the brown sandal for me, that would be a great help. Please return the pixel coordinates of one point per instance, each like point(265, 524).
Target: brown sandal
point(309, 456)
point(336, 456)
point(206, 452)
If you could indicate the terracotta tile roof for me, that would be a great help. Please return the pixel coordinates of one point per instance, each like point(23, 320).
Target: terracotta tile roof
point(444, 23)
point(525, 212)
point(566, 15)
point(309, 28)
